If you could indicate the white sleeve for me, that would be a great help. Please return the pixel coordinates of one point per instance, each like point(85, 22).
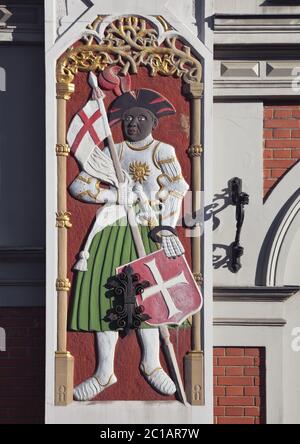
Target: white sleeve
point(86, 188)
point(172, 183)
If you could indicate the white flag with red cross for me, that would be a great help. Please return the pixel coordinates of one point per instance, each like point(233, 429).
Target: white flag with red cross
point(87, 130)
point(173, 294)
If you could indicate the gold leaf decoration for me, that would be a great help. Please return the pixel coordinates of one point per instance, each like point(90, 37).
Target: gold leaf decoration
point(139, 171)
point(129, 42)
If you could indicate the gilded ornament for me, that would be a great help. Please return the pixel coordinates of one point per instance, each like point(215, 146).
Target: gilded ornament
point(194, 90)
point(64, 90)
point(166, 26)
point(198, 278)
point(63, 219)
point(130, 43)
point(62, 149)
point(195, 151)
point(139, 171)
point(141, 148)
point(63, 284)
point(166, 161)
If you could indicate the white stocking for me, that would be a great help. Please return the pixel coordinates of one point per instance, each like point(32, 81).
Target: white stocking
point(106, 345)
point(150, 365)
point(150, 350)
point(104, 375)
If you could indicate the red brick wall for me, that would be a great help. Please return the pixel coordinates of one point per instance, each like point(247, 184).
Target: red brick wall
point(239, 385)
point(22, 366)
point(281, 142)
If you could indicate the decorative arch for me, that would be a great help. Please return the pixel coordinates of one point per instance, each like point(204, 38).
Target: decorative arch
point(282, 226)
point(282, 243)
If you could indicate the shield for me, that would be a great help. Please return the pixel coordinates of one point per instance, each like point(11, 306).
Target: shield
point(173, 294)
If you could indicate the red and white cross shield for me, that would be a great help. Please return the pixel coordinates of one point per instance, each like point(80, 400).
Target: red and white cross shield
point(173, 294)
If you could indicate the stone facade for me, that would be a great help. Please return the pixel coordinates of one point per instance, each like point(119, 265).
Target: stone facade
point(251, 130)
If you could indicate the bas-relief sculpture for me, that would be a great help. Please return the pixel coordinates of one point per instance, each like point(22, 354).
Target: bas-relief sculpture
point(140, 186)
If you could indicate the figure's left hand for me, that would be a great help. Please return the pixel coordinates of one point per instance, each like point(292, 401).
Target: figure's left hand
point(171, 244)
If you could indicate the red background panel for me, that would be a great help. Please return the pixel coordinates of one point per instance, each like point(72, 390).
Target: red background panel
point(175, 131)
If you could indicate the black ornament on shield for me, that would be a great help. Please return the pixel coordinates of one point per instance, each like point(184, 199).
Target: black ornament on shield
point(126, 314)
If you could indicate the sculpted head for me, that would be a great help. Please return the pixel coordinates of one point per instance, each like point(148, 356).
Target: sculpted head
point(139, 112)
point(138, 123)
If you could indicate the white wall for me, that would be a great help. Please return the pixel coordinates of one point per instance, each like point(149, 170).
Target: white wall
point(238, 146)
point(276, 327)
point(291, 362)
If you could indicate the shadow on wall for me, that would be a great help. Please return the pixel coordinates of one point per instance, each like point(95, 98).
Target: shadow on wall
point(199, 16)
point(221, 256)
point(221, 252)
point(220, 201)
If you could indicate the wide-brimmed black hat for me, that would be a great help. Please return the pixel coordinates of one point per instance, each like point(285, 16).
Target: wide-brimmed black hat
point(143, 98)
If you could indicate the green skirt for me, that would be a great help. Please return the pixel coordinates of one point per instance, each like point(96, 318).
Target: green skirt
point(112, 247)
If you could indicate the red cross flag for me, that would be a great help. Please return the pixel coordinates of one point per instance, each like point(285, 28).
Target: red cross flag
point(173, 294)
point(87, 130)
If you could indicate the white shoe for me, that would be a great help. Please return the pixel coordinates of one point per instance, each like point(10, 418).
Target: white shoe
point(159, 380)
point(91, 387)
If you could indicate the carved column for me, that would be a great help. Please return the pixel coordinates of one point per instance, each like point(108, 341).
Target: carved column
point(194, 364)
point(64, 362)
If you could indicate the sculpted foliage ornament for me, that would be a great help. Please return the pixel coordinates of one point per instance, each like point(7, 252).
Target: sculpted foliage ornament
point(130, 43)
point(63, 219)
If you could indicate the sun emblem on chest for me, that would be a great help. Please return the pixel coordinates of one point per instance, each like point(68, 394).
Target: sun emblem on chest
point(139, 171)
